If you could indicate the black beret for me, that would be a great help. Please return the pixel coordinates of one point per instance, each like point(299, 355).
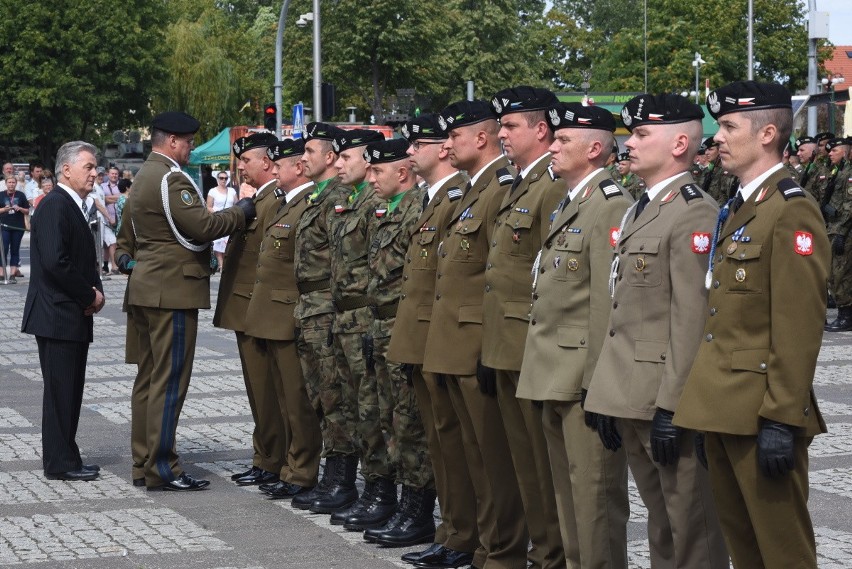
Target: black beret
point(464, 113)
point(701, 151)
point(386, 151)
point(742, 96)
point(176, 122)
point(521, 99)
point(659, 109)
point(256, 140)
point(285, 149)
point(354, 138)
point(575, 115)
point(708, 143)
point(425, 126)
point(623, 156)
point(321, 131)
point(805, 140)
point(820, 136)
point(836, 142)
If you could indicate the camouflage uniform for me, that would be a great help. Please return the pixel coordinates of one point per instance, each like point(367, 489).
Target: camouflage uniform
point(719, 183)
point(838, 215)
point(815, 179)
point(400, 417)
point(315, 313)
point(633, 184)
point(349, 228)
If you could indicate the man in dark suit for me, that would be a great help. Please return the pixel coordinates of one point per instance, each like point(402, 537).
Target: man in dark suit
point(64, 293)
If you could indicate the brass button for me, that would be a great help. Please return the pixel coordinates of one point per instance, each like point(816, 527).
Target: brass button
point(709, 337)
point(762, 366)
point(715, 284)
point(488, 288)
point(582, 341)
point(713, 311)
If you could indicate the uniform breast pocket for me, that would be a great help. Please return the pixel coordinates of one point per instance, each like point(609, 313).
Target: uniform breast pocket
point(516, 234)
point(352, 240)
point(279, 242)
point(567, 263)
point(465, 236)
point(642, 264)
point(743, 269)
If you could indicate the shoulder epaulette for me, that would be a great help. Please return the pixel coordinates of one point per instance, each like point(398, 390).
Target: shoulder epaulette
point(504, 176)
point(610, 189)
point(553, 175)
point(279, 193)
point(690, 192)
point(454, 194)
point(790, 189)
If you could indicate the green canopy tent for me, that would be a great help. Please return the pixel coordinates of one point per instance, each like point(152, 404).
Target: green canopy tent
point(217, 150)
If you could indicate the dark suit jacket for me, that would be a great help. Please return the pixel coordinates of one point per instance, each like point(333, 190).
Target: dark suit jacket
point(64, 270)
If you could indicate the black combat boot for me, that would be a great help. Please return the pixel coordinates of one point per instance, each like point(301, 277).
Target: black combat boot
point(377, 510)
point(304, 500)
point(364, 500)
point(415, 525)
point(341, 491)
point(843, 322)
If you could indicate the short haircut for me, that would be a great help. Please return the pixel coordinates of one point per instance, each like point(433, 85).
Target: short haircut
point(70, 152)
point(35, 164)
point(158, 137)
point(781, 118)
point(535, 117)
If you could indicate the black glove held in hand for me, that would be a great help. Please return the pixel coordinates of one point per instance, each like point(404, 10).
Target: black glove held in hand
point(367, 351)
point(700, 450)
point(775, 448)
point(665, 438)
point(487, 378)
point(838, 244)
point(126, 264)
point(591, 418)
point(608, 433)
point(247, 205)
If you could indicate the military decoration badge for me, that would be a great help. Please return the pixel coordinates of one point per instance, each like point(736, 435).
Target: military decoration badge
point(700, 243)
point(186, 197)
point(804, 243)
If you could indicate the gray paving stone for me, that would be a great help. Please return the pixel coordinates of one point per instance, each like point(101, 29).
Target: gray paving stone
point(193, 408)
point(9, 419)
point(834, 374)
point(837, 442)
point(199, 384)
point(31, 487)
point(21, 446)
point(214, 437)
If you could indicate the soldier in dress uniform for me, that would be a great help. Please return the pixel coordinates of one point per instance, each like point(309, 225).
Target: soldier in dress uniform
point(570, 308)
point(270, 437)
point(453, 344)
point(315, 312)
point(634, 185)
point(456, 537)
point(750, 388)
point(170, 282)
point(519, 230)
point(654, 330)
point(837, 211)
point(270, 320)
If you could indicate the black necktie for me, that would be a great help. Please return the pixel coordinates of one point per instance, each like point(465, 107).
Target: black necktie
point(565, 203)
point(425, 200)
point(516, 183)
point(643, 201)
point(738, 201)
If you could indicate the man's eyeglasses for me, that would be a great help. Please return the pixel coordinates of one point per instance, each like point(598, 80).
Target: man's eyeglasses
point(223, 178)
point(417, 144)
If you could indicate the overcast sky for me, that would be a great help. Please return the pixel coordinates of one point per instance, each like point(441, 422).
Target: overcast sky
point(839, 20)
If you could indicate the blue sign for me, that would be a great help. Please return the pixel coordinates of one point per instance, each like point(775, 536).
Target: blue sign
point(298, 120)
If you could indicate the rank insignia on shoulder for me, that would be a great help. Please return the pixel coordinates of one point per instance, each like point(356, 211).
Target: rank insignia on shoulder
point(279, 193)
point(790, 189)
point(690, 192)
point(454, 193)
point(504, 176)
point(381, 212)
point(610, 189)
point(339, 208)
point(553, 175)
point(186, 197)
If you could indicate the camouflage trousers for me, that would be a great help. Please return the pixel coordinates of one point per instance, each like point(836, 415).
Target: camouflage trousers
point(357, 378)
point(840, 281)
point(400, 416)
point(316, 355)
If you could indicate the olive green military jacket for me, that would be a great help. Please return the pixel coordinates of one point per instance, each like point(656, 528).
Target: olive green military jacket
point(271, 310)
point(520, 228)
point(454, 341)
point(658, 306)
point(408, 342)
point(767, 300)
point(168, 275)
point(313, 254)
point(235, 288)
point(817, 180)
point(570, 301)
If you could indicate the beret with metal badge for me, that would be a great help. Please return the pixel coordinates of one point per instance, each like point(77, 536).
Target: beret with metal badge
point(256, 140)
point(386, 151)
point(521, 99)
point(285, 149)
point(742, 96)
point(659, 109)
point(575, 115)
point(463, 113)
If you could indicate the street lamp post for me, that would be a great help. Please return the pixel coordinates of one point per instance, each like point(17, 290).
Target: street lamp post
point(697, 63)
point(279, 47)
point(829, 84)
point(303, 20)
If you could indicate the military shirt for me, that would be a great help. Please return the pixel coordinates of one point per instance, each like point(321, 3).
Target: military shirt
point(349, 227)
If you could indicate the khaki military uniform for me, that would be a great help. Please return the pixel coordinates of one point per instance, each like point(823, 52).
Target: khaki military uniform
point(126, 245)
point(756, 360)
point(315, 313)
point(520, 228)
point(169, 284)
point(270, 438)
point(349, 236)
point(453, 347)
point(270, 319)
point(652, 336)
point(570, 309)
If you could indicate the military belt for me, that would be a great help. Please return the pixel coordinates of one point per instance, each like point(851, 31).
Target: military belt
point(312, 286)
point(385, 311)
point(351, 303)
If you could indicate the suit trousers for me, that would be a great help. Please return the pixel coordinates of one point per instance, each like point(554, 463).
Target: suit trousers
point(305, 440)
point(525, 434)
point(453, 485)
point(63, 368)
point(166, 352)
point(591, 489)
point(270, 437)
point(683, 526)
point(499, 510)
point(765, 521)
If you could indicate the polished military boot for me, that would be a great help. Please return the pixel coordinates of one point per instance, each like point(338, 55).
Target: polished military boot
point(417, 523)
point(371, 534)
point(304, 500)
point(364, 500)
point(843, 322)
point(380, 507)
point(341, 491)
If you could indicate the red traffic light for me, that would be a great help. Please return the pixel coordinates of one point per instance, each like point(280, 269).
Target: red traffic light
point(269, 110)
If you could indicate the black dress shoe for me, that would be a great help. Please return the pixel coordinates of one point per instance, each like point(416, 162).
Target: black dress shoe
point(446, 559)
point(250, 471)
point(83, 475)
point(139, 482)
point(183, 483)
point(92, 467)
point(415, 556)
point(259, 477)
point(286, 490)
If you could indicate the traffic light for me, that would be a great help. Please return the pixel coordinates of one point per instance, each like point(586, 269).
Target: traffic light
point(269, 121)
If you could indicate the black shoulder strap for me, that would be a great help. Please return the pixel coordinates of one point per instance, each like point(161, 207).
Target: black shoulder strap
point(790, 189)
